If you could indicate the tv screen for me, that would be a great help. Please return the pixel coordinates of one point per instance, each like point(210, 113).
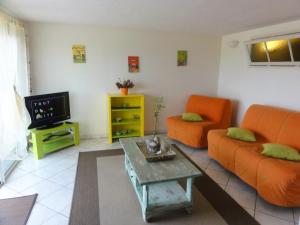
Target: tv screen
point(46, 110)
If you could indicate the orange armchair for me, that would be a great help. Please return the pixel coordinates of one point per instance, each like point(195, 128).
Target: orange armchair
point(216, 113)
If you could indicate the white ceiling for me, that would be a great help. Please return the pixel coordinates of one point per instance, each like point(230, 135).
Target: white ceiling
point(200, 16)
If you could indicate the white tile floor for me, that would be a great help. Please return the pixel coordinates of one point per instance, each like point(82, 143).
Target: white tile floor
point(53, 179)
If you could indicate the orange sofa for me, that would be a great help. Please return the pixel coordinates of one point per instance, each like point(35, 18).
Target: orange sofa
point(276, 180)
point(216, 113)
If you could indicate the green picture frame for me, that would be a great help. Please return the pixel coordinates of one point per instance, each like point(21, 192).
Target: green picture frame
point(182, 57)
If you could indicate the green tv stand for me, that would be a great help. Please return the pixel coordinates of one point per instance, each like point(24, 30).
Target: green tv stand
point(44, 141)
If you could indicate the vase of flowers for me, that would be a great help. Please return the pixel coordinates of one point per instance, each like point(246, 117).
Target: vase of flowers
point(124, 85)
point(154, 144)
point(158, 106)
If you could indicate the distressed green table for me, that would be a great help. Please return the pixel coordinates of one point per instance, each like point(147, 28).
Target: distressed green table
point(157, 183)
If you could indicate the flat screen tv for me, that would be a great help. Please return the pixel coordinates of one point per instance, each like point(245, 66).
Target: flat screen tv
point(48, 110)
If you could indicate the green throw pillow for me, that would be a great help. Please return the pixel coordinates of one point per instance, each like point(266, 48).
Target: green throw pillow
point(191, 117)
point(280, 151)
point(241, 134)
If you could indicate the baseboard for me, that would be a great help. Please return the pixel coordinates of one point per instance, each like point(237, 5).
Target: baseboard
point(92, 136)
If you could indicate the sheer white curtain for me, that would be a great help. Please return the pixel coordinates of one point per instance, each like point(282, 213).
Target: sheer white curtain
point(14, 85)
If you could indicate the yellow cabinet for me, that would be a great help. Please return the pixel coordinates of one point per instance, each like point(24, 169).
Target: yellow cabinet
point(125, 116)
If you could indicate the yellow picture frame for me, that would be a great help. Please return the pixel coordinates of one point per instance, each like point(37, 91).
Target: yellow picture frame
point(79, 55)
point(182, 57)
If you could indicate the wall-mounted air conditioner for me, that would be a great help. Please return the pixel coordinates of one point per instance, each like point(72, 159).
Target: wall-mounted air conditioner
point(283, 50)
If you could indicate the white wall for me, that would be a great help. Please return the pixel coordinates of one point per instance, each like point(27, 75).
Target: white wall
point(278, 86)
point(53, 70)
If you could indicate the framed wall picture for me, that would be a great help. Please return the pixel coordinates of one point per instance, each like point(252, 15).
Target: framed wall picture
point(133, 64)
point(181, 58)
point(78, 53)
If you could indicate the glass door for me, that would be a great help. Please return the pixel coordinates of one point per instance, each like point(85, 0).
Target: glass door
point(6, 167)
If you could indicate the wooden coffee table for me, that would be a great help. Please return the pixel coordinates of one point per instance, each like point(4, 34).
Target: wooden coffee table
point(157, 183)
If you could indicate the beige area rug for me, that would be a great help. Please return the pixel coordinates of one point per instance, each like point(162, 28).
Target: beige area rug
point(16, 211)
point(118, 203)
point(104, 195)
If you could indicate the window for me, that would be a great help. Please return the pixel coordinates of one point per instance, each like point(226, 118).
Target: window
point(280, 50)
point(258, 52)
point(295, 45)
point(14, 85)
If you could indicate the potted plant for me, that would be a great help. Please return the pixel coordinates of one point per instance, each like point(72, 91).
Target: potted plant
point(123, 85)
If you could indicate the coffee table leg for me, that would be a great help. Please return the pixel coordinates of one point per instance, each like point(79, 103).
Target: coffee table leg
point(189, 193)
point(189, 188)
point(127, 166)
point(145, 202)
point(126, 162)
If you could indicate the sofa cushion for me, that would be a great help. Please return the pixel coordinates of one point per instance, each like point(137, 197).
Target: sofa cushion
point(247, 160)
point(214, 109)
point(275, 125)
point(280, 151)
point(278, 181)
point(192, 134)
point(290, 133)
point(194, 117)
point(223, 149)
point(265, 121)
point(241, 134)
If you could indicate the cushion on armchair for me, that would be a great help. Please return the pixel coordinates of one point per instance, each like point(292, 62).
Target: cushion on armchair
point(191, 117)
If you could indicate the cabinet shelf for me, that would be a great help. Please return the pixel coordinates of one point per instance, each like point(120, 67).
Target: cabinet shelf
point(52, 139)
point(125, 107)
point(57, 138)
point(124, 122)
point(131, 134)
point(58, 143)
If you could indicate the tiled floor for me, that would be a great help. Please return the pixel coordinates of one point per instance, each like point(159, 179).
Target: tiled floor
point(53, 179)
